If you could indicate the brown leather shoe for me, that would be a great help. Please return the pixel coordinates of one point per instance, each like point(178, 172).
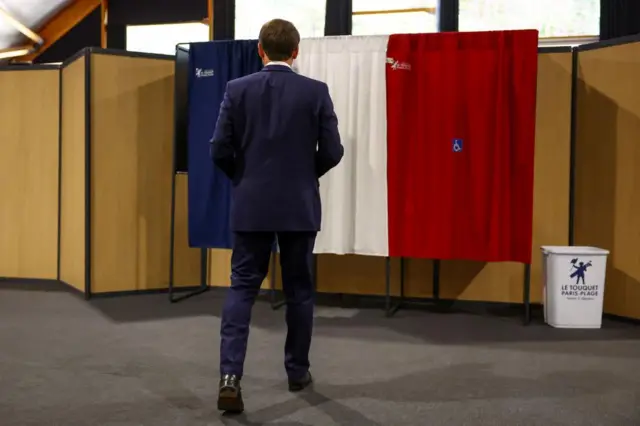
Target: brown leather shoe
point(298, 385)
point(230, 394)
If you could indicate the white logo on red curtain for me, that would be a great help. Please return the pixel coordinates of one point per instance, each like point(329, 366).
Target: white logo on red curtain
point(398, 65)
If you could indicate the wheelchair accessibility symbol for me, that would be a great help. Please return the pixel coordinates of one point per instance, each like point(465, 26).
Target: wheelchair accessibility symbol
point(457, 145)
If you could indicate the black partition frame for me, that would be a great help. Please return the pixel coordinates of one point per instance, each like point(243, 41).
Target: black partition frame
point(83, 55)
point(391, 308)
point(180, 129)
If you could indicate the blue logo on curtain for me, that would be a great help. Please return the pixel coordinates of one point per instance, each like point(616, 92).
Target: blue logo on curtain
point(200, 72)
point(456, 145)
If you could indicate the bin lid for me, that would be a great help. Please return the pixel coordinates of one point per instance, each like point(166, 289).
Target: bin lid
point(575, 250)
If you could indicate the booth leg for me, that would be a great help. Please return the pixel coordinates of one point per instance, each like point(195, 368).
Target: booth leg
point(436, 280)
point(203, 280)
point(203, 256)
point(526, 292)
point(390, 308)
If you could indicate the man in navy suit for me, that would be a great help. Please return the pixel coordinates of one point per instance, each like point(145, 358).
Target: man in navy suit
point(276, 135)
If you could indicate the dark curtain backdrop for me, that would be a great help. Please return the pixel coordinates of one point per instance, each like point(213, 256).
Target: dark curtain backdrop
point(117, 36)
point(224, 19)
point(85, 34)
point(337, 20)
point(181, 110)
point(619, 18)
point(448, 11)
point(148, 12)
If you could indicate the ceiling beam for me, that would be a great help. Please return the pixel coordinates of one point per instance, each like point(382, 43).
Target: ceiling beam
point(210, 18)
point(61, 24)
point(20, 26)
point(104, 15)
point(14, 52)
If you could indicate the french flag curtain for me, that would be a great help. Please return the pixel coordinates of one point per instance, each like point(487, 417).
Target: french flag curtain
point(354, 194)
point(439, 136)
point(461, 127)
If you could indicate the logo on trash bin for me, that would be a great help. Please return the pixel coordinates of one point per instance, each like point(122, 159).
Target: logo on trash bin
point(578, 270)
point(579, 289)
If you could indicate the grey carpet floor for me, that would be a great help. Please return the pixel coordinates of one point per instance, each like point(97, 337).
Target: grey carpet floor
point(139, 360)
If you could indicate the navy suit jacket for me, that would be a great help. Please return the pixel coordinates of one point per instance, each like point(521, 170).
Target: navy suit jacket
point(276, 135)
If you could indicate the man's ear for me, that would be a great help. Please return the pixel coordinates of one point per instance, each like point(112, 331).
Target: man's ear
point(295, 53)
point(260, 50)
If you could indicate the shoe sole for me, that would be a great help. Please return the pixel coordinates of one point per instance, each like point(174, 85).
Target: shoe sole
point(230, 401)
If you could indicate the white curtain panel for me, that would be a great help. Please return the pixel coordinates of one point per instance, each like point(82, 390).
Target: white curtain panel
point(354, 194)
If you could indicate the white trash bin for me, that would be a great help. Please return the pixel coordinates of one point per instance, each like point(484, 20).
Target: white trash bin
point(573, 286)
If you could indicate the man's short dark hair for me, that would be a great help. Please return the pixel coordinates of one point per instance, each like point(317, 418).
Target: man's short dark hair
point(279, 39)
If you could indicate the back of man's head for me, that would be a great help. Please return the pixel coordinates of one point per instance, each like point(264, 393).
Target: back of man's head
point(279, 39)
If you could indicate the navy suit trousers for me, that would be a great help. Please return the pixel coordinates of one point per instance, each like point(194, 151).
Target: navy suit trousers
point(249, 267)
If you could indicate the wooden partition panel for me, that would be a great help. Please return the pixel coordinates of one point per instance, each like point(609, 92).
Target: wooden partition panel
point(29, 160)
point(503, 281)
point(552, 160)
point(497, 282)
point(607, 168)
point(219, 273)
point(131, 104)
point(362, 275)
point(366, 275)
point(186, 260)
point(72, 188)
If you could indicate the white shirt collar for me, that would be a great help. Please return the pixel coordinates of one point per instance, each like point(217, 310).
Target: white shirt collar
point(279, 63)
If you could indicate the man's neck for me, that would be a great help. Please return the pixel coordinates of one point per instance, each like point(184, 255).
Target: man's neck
point(284, 63)
point(268, 61)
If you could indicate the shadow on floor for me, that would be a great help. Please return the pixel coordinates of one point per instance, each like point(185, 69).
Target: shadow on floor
point(477, 382)
point(454, 326)
point(457, 383)
point(463, 382)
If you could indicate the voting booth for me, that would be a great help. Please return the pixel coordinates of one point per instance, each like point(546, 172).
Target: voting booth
point(352, 271)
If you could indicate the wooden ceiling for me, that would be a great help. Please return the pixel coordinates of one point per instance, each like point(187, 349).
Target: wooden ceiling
point(49, 19)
